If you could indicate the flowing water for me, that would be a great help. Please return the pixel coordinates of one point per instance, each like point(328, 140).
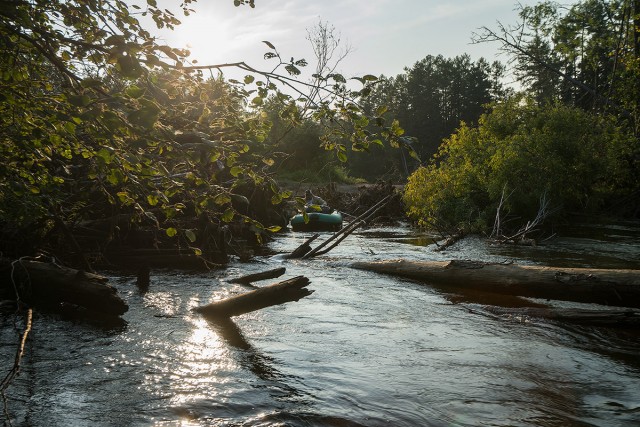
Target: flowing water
point(363, 350)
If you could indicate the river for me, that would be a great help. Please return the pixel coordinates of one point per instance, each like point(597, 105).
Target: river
point(363, 350)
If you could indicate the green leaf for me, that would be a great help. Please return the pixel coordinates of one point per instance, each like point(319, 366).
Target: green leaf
point(236, 171)
point(135, 91)
point(342, 156)
point(274, 228)
point(129, 67)
point(105, 155)
point(381, 110)
point(191, 236)
point(123, 196)
point(171, 231)
point(228, 215)
point(271, 46)
point(79, 100)
point(152, 199)
point(222, 199)
point(248, 79)
point(146, 116)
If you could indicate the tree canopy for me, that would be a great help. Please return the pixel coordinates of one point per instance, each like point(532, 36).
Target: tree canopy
point(99, 117)
point(584, 55)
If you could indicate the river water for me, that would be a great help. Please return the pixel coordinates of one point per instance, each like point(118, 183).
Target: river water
point(363, 350)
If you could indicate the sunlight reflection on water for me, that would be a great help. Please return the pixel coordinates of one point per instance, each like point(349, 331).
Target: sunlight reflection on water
point(203, 360)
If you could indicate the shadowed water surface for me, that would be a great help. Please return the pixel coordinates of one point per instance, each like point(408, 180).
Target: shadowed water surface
point(363, 350)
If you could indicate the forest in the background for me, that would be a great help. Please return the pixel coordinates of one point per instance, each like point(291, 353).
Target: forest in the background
point(112, 140)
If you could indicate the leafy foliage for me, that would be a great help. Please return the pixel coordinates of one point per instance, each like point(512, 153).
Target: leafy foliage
point(98, 117)
point(523, 151)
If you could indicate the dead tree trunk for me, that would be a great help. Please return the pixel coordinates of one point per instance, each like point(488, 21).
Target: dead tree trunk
point(304, 248)
point(620, 288)
point(47, 284)
point(250, 278)
point(275, 294)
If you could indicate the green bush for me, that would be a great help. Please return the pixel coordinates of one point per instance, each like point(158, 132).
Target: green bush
point(525, 151)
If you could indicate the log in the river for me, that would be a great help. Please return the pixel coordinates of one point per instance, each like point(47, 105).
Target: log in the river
point(277, 293)
point(256, 277)
point(614, 287)
point(48, 284)
point(608, 317)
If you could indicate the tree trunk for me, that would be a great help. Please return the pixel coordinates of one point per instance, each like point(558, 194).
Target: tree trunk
point(277, 293)
point(250, 278)
point(619, 288)
point(47, 284)
point(606, 318)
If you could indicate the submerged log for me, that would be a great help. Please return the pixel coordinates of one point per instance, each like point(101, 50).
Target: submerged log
point(607, 318)
point(256, 277)
point(620, 288)
point(277, 293)
point(48, 284)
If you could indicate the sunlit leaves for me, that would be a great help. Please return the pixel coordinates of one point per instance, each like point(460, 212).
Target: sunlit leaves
point(526, 151)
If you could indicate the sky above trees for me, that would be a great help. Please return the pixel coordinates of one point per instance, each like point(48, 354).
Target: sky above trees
point(384, 35)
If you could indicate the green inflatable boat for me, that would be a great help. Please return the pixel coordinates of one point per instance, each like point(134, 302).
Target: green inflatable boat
point(317, 222)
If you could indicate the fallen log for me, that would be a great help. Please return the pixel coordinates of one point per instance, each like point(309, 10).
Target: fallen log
point(256, 277)
point(304, 248)
point(277, 293)
point(47, 284)
point(606, 318)
point(620, 288)
point(449, 241)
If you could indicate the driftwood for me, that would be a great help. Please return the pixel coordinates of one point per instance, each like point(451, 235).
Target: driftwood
point(304, 248)
point(620, 288)
point(449, 241)
point(256, 277)
point(607, 318)
point(277, 293)
point(47, 284)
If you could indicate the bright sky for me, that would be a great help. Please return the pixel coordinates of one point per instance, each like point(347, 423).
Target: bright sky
point(385, 35)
